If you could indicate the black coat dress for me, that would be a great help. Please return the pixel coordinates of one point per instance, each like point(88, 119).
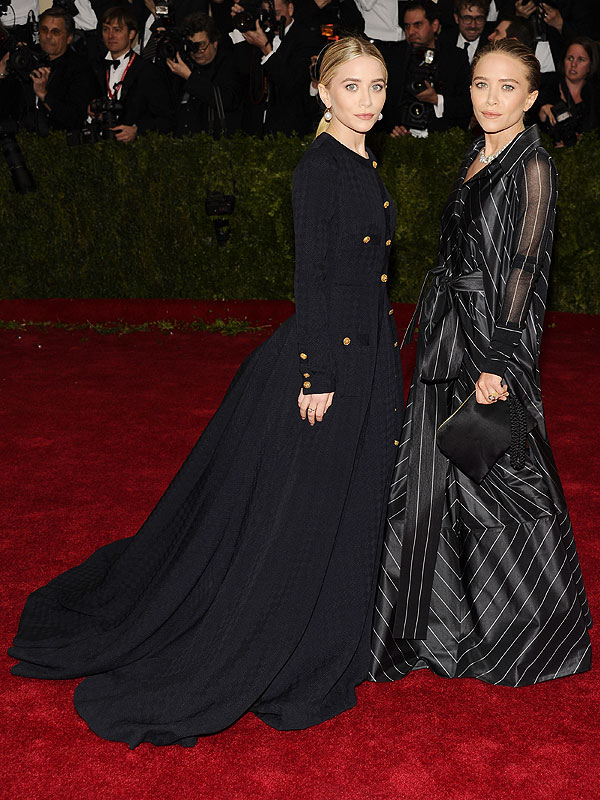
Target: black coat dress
point(251, 585)
point(483, 580)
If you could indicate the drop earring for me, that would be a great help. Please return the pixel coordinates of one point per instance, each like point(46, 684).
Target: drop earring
point(328, 115)
point(380, 117)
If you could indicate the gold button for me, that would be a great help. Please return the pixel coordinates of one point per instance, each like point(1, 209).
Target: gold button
point(388, 243)
point(303, 356)
point(386, 204)
point(307, 374)
point(396, 442)
point(346, 341)
point(384, 278)
point(395, 344)
point(367, 239)
point(391, 311)
point(374, 163)
point(395, 409)
point(306, 384)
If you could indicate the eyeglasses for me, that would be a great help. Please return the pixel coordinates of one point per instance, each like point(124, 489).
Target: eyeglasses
point(198, 47)
point(469, 20)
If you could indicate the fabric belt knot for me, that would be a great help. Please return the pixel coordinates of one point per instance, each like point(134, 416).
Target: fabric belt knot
point(442, 340)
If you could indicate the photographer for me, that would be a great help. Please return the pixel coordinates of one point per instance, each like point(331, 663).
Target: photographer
point(275, 68)
point(136, 90)
point(329, 17)
point(209, 92)
point(428, 88)
point(572, 105)
point(470, 17)
point(569, 18)
point(58, 93)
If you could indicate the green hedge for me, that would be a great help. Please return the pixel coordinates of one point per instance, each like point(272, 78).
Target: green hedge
point(128, 221)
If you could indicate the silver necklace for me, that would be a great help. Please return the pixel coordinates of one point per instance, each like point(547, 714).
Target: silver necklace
point(486, 159)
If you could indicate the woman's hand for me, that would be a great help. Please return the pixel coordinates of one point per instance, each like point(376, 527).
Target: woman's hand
point(489, 386)
point(545, 113)
point(314, 406)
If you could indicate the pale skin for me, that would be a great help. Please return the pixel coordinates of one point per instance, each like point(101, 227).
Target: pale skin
point(576, 66)
point(355, 97)
point(501, 95)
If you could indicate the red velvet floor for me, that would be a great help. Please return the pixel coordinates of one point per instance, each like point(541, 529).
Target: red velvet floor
point(93, 428)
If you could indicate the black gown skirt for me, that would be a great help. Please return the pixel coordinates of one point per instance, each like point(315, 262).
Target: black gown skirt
point(251, 585)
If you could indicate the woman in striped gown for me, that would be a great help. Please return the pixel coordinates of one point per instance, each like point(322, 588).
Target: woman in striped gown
point(483, 580)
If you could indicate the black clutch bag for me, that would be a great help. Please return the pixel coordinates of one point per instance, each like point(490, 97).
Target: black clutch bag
point(475, 436)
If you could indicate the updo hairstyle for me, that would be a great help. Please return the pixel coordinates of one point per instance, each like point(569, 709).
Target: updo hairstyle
point(338, 53)
point(515, 49)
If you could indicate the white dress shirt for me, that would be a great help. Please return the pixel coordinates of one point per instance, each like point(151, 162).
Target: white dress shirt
point(86, 20)
point(472, 48)
point(115, 76)
point(381, 20)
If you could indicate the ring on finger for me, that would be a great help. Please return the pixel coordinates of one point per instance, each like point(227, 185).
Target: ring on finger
point(310, 410)
point(491, 397)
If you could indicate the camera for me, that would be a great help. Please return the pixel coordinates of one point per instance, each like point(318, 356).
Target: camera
point(171, 42)
point(19, 173)
point(24, 59)
point(565, 130)
point(109, 111)
point(414, 113)
point(254, 10)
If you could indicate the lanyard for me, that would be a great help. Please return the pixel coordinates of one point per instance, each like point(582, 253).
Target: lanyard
point(112, 95)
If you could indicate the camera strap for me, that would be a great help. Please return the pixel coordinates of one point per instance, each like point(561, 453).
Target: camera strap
point(117, 86)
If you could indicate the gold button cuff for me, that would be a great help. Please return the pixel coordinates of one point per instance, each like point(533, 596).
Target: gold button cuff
point(374, 163)
point(367, 239)
point(303, 356)
point(388, 243)
point(391, 311)
point(386, 204)
point(396, 442)
point(307, 374)
point(306, 384)
point(395, 344)
point(346, 341)
point(384, 278)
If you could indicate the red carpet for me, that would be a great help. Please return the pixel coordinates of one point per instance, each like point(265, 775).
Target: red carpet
point(94, 426)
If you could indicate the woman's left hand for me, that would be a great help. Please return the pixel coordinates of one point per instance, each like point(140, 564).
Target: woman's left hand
point(489, 385)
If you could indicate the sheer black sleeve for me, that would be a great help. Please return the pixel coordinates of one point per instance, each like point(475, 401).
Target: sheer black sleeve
point(314, 182)
point(537, 190)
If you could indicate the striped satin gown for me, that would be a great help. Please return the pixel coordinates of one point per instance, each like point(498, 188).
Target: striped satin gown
point(482, 580)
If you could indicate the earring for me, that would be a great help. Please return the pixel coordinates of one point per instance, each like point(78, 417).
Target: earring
point(380, 117)
point(328, 115)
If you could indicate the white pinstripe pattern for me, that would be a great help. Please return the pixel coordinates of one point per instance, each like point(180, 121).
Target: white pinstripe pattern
point(507, 603)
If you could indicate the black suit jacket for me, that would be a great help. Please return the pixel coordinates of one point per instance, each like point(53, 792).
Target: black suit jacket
point(280, 86)
point(198, 93)
point(144, 96)
point(71, 86)
point(453, 79)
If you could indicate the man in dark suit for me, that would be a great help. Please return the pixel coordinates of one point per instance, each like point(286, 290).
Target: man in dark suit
point(472, 31)
point(276, 70)
point(443, 71)
point(208, 84)
point(137, 85)
point(58, 96)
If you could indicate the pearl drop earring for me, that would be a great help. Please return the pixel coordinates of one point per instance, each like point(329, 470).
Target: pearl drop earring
point(328, 115)
point(380, 117)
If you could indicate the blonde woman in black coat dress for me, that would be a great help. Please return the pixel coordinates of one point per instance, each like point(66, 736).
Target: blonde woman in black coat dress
point(251, 585)
point(482, 579)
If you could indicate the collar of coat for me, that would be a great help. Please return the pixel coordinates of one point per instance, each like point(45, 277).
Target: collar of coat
point(517, 150)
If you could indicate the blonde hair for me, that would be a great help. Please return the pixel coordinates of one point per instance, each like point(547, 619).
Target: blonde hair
point(338, 53)
point(518, 50)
